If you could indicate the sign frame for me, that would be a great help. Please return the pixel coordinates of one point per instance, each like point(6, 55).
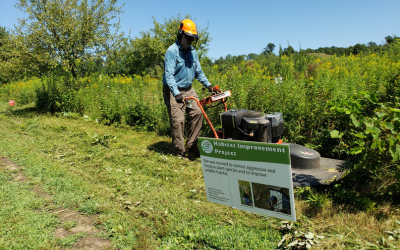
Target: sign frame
point(250, 176)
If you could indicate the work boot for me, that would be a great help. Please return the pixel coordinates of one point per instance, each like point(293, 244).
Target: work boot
point(194, 151)
point(182, 157)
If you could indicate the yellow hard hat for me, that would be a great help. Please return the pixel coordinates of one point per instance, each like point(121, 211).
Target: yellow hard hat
point(188, 27)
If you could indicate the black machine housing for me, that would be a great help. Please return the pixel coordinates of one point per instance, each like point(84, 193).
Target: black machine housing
point(252, 125)
point(245, 125)
point(308, 167)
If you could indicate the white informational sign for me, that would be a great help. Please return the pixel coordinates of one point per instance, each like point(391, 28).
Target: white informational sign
point(251, 176)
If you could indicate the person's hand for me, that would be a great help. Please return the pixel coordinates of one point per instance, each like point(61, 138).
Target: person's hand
point(214, 89)
point(179, 98)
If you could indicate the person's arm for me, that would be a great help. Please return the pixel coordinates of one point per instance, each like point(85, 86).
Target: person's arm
point(169, 70)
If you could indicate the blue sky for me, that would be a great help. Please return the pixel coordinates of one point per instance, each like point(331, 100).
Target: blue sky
point(243, 27)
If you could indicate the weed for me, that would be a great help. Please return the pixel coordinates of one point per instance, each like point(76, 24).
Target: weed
point(143, 241)
point(63, 156)
point(318, 200)
point(102, 140)
point(296, 239)
point(67, 225)
point(70, 240)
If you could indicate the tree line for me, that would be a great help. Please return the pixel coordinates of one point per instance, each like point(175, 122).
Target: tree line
point(75, 38)
point(268, 54)
point(370, 47)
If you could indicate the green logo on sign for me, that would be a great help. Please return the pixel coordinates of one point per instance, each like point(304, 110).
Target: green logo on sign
point(207, 146)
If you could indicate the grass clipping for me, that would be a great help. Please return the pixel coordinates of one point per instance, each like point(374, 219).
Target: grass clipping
point(143, 196)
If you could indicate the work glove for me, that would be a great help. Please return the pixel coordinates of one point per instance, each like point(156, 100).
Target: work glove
point(179, 98)
point(214, 89)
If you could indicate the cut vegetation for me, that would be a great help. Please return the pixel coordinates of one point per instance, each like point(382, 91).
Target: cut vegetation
point(90, 185)
point(76, 230)
point(86, 159)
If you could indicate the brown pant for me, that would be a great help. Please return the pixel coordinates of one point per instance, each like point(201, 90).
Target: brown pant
point(176, 112)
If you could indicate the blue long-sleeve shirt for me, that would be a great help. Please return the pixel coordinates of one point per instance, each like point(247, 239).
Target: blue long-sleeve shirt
point(181, 67)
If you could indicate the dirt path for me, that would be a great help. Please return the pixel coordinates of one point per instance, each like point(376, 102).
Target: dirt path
point(78, 223)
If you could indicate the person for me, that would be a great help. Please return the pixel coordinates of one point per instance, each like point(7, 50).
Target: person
point(181, 67)
point(272, 202)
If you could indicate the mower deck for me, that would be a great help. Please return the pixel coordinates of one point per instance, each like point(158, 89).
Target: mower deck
point(310, 169)
point(329, 171)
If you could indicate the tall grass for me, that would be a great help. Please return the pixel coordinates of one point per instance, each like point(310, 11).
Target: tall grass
point(22, 92)
point(310, 87)
point(317, 97)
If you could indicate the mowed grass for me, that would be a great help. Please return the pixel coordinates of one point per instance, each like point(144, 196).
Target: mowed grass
point(144, 197)
point(108, 171)
point(22, 224)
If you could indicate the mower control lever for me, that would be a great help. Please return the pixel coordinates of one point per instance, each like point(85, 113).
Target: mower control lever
point(214, 98)
point(216, 90)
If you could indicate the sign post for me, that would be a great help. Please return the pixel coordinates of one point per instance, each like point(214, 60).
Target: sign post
point(251, 176)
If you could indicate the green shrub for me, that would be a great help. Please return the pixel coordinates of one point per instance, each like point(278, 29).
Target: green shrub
point(57, 94)
point(143, 116)
point(48, 97)
point(110, 112)
point(369, 130)
point(316, 96)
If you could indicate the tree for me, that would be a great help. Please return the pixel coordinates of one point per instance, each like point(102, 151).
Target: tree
point(4, 40)
point(389, 39)
point(357, 49)
point(280, 50)
point(269, 49)
point(372, 44)
point(251, 56)
point(4, 34)
point(146, 53)
point(16, 60)
point(69, 32)
point(206, 64)
point(308, 50)
point(289, 51)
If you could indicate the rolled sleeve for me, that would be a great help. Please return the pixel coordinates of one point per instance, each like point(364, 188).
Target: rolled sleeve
point(170, 62)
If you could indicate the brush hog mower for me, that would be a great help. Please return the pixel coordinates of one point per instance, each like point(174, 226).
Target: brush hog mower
point(308, 167)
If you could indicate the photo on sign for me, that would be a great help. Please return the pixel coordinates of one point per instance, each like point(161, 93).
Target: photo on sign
point(271, 198)
point(245, 193)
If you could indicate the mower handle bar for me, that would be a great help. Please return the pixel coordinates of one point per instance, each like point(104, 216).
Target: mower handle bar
point(204, 113)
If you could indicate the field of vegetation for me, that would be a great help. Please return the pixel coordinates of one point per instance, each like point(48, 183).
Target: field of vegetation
point(86, 155)
point(100, 145)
